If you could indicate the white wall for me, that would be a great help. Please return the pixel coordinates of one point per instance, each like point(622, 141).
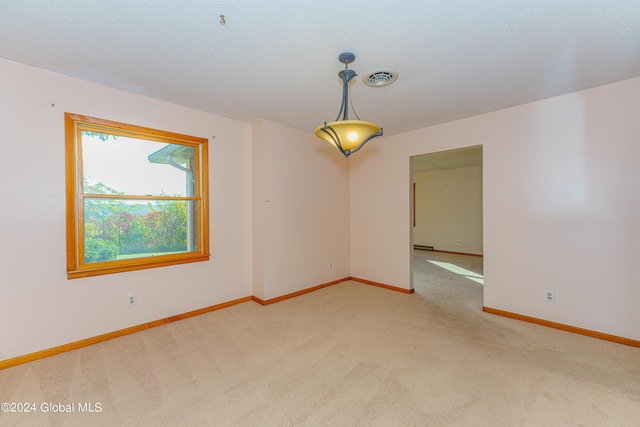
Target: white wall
point(39, 307)
point(561, 206)
point(561, 211)
point(449, 209)
point(279, 214)
point(301, 211)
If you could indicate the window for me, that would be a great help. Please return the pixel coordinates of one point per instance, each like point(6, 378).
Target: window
point(136, 197)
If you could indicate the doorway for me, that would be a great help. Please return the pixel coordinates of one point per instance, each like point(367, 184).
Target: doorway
point(447, 229)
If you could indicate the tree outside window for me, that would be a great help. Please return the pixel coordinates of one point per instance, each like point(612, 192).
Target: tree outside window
point(135, 197)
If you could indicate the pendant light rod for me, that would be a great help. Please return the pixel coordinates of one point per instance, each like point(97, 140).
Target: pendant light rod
point(345, 75)
point(346, 135)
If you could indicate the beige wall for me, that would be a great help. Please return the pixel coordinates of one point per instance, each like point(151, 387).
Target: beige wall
point(39, 307)
point(301, 211)
point(561, 211)
point(561, 206)
point(449, 209)
point(279, 205)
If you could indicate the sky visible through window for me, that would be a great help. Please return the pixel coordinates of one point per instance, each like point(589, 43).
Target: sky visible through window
point(122, 164)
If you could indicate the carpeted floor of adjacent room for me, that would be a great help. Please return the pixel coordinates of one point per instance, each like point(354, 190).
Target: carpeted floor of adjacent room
point(347, 355)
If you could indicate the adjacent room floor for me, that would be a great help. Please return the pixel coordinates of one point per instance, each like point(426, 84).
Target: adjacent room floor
point(349, 354)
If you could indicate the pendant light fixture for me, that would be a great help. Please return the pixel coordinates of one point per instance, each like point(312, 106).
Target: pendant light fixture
point(346, 135)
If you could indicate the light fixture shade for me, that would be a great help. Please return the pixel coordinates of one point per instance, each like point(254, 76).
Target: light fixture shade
point(349, 134)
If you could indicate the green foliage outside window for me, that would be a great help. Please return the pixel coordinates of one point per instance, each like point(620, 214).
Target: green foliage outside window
point(115, 229)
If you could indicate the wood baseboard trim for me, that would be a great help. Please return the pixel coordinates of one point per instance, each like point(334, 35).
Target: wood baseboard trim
point(8, 363)
point(381, 285)
point(111, 335)
point(297, 293)
point(563, 327)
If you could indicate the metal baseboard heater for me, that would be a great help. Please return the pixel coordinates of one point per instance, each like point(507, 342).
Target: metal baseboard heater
point(424, 248)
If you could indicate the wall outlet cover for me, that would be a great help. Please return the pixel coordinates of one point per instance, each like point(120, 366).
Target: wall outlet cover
point(549, 296)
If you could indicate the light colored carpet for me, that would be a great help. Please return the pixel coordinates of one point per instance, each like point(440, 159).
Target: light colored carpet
point(346, 355)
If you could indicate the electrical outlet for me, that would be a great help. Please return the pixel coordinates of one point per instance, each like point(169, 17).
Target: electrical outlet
point(549, 296)
point(131, 300)
point(330, 266)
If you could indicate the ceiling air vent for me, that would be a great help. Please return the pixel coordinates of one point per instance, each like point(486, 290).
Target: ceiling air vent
point(380, 77)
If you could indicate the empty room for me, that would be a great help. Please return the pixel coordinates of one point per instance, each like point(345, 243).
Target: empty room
point(254, 213)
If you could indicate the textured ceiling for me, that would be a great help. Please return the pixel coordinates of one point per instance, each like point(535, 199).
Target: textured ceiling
point(452, 159)
point(278, 60)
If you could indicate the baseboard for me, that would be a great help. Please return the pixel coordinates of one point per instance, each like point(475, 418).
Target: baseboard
point(115, 334)
point(381, 285)
point(431, 249)
point(563, 327)
point(111, 335)
point(458, 253)
point(423, 247)
point(297, 293)
point(324, 285)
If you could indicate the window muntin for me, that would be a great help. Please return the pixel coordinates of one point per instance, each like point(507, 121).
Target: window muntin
point(135, 197)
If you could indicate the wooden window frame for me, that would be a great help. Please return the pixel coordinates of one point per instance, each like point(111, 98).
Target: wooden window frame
point(76, 266)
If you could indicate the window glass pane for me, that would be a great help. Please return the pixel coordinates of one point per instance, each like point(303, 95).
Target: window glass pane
point(116, 229)
point(124, 165)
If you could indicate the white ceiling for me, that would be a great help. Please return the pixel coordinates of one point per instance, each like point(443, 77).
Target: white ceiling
point(452, 159)
point(278, 60)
